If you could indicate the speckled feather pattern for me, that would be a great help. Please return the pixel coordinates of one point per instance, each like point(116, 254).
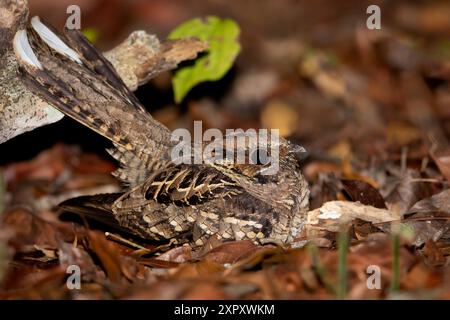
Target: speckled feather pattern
point(163, 200)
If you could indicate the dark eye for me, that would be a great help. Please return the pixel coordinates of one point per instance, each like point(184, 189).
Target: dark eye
point(259, 157)
point(228, 155)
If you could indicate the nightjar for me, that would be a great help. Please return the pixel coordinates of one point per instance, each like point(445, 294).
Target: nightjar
point(162, 198)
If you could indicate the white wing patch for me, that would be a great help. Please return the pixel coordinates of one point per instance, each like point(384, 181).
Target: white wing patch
point(23, 50)
point(53, 41)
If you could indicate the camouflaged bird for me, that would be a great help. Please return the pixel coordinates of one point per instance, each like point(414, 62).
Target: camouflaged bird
point(162, 199)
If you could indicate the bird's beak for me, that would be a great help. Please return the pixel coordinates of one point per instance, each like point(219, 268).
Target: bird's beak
point(299, 152)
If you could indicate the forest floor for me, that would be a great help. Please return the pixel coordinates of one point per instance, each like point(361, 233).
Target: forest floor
point(372, 107)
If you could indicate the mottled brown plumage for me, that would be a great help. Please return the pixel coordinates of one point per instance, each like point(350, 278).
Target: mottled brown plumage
point(162, 200)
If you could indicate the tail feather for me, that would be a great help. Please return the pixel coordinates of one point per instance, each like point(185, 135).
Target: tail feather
point(71, 75)
point(97, 208)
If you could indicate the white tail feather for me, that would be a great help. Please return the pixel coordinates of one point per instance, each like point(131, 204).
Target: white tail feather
point(53, 41)
point(23, 49)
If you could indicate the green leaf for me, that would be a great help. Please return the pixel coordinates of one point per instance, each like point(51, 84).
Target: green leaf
point(91, 34)
point(222, 37)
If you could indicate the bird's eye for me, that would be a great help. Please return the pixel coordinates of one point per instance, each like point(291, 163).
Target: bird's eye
point(228, 155)
point(259, 157)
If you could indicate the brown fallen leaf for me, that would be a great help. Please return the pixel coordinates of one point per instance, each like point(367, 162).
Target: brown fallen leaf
point(158, 263)
point(437, 203)
point(115, 266)
point(430, 218)
point(30, 229)
point(362, 229)
point(401, 134)
point(69, 254)
point(434, 255)
point(256, 259)
point(377, 251)
point(204, 291)
point(403, 190)
point(363, 192)
point(441, 157)
point(178, 254)
point(47, 165)
point(421, 277)
point(202, 268)
point(25, 282)
point(230, 252)
point(327, 188)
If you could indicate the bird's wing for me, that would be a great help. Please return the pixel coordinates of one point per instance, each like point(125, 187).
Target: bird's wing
point(182, 185)
point(71, 75)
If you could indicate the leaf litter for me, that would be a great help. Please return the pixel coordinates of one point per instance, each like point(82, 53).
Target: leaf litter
point(372, 110)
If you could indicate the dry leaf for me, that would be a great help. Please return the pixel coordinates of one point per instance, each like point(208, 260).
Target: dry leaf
point(332, 215)
point(363, 192)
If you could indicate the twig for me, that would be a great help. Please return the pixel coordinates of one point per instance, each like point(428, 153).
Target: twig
point(119, 239)
point(427, 180)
